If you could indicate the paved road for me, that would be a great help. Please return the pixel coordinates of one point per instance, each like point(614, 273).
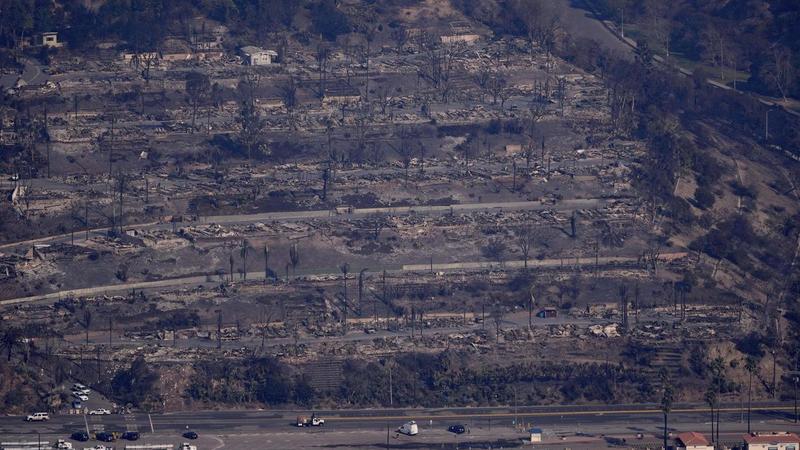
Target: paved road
point(581, 23)
point(213, 278)
point(611, 418)
point(32, 74)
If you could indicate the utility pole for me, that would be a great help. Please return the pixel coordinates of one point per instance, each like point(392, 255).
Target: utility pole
point(385, 299)
point(47, 143)
point(345, 268)
point(219, 329)
point(111, 146)
point(121, 192)
point(361, 288)
point(97, 362)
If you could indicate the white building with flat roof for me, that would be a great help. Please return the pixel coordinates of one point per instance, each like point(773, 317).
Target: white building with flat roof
point(257, 56)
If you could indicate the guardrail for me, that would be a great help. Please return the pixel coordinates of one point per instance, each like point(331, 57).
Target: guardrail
point(22, 445)
point(150, 447)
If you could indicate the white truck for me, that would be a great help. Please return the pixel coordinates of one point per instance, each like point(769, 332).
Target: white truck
point(313, 421)
point(188, 446)
point(409, 429)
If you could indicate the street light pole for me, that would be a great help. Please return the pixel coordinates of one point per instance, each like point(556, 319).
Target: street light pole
point(390, 386)
point(516, 421)
point(796, 379)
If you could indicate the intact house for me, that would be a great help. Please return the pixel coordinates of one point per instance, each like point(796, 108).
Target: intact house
point(535, 434)
point(49, 39)
point(257, 56)
point(771, 441)
point(692, 441)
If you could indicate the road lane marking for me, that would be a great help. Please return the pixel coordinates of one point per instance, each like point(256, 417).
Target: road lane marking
point(550, 414)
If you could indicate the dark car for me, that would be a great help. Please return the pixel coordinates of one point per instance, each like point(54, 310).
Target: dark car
point(105, 437)
point(457, 429)
point(190, 435)
point(130, 435)
point(80, 436)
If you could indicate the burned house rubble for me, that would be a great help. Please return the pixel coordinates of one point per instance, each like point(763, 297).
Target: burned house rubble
point(318, 195)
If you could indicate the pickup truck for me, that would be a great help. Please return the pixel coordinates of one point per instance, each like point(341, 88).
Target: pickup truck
point(313, 421)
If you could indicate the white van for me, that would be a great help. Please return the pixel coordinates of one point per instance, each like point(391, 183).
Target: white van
point(409, 429)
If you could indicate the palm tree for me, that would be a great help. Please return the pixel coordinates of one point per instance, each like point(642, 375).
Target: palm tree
point(230, 261)
point(266, 263)
point(9, 338)
point(666, 399)
point(717, 367)
point(243, 252)
point(294, 257)
point(87, 322)
point(711, 399)
point(751, 366)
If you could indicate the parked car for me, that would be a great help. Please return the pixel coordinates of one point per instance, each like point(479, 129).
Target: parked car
point(77, 404)
point(77, 387)
point(81, 397)
point(190, 435)
point(457, 429)
point(80, 436)
point(63, 445)
point(130, 435)
point(104, 436)
point(99, 412)
point(38, 417)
